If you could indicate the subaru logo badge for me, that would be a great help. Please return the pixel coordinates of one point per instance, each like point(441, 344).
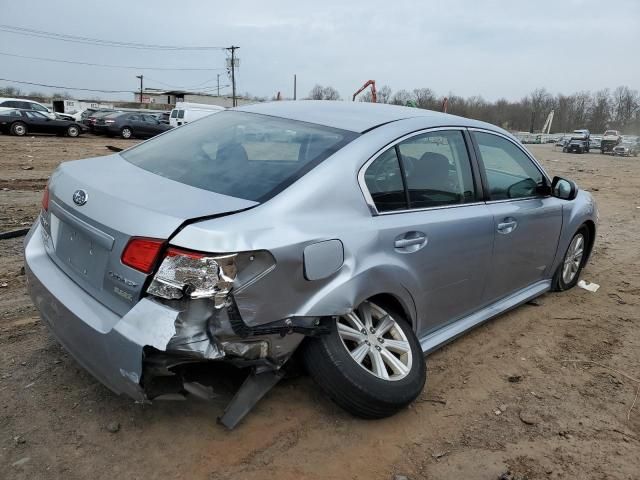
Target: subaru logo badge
point(80, 197)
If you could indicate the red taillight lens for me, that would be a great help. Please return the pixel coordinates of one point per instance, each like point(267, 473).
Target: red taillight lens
point(142, 253)
point(45, 198)
point(174, 252)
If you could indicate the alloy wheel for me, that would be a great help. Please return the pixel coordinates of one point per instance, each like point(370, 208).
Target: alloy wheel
point(573, 259)
point(376, 342)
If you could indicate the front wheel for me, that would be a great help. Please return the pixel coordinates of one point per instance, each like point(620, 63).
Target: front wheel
point(19, 129)
point(371, 363)
point(126, 132)
point(569, 271)
point(73, 131)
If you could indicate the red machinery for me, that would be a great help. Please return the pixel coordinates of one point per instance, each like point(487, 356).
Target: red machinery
point(372, 83)
point(445, 105)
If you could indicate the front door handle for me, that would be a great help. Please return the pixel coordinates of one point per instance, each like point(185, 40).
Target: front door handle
point(507, 226)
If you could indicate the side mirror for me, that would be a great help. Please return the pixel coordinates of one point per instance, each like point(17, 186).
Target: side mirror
point(563, 188)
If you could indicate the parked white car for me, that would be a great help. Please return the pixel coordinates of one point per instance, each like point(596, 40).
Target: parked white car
point(24, 104)
point(188, 112)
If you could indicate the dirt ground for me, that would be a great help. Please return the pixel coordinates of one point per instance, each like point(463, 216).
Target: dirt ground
point(546, 391)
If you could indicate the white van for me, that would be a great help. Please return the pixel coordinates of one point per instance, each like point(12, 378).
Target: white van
point(188, 112)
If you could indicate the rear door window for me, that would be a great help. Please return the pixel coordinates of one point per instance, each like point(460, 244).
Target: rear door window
point(38, 108)
point(239, 154)
point(437, 169)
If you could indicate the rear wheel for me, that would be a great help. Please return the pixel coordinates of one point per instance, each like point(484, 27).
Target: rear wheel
point(371, 364)
point(569, 271)
point(126, 132)
point(73, 131)
point(19, 129)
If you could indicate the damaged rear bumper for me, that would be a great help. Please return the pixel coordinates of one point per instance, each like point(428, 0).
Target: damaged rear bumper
point(126, 352)
point(110, 347)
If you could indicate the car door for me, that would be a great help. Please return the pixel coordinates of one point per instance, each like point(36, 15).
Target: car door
point(153, 126)
point(527, 220)
point(136, 123)
point(37, 122)
point(430, 218)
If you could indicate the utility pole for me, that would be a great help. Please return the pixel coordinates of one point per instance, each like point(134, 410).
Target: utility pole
point(218, 84)
point(233, 74)
point(140, 77)
point(294, 86)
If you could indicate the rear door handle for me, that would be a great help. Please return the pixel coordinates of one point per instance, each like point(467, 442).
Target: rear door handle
point(407, 242)
point(410, 242)
point(507, 226)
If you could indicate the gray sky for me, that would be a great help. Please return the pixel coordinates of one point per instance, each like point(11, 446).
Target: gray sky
point(490, 48)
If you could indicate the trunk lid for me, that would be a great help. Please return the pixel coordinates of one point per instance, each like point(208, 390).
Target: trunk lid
point(121, 201)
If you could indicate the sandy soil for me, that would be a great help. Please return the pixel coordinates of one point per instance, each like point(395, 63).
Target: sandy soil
point(515, 395)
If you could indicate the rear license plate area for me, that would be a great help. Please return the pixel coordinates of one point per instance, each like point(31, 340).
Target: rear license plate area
point(79, 253)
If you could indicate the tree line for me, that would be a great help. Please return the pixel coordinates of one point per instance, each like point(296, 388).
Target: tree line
point(617, 109)
point(598, 111)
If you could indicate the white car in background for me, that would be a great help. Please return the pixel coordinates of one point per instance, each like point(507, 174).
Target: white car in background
point(188, 112)
point(24, 104)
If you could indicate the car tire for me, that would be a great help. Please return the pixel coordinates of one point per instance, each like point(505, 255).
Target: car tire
point(18, 129)
point(573, 262)
point(73, 131)
point(126, 132)
point(332, 361)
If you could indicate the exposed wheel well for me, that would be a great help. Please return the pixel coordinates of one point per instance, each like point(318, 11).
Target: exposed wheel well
point(386, 299)
point(591, 228)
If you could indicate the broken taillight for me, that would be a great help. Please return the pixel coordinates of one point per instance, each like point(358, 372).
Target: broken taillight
point(45, 198)
point(142, 253)
point(191, 274)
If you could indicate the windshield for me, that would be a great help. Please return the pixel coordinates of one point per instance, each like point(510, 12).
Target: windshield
point(243, 155)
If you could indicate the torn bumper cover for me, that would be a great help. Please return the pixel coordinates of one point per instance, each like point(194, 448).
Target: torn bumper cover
point(117, 349)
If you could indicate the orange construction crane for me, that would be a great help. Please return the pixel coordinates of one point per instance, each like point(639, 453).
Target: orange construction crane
point(372, 83)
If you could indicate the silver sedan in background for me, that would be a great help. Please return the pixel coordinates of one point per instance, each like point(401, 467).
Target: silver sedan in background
point(361, 235)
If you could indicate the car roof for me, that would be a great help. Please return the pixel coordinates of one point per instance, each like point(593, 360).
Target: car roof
point(355, 116)
point(4, 99)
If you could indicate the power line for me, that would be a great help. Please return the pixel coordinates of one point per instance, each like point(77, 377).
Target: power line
point(110, 66)
point(30, 32)
point(65, 88)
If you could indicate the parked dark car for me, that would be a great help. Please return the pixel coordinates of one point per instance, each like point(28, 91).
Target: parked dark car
point(579, 142)
point(21, 122)
point(130, 124)
point(90, 121)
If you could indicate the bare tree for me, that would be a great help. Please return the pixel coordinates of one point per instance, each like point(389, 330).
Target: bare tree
point(330, 93)
point(425, 98)
point(626, 103)
point(316, 93)
point(384, 94)
point(319, 92)
point(402, 97)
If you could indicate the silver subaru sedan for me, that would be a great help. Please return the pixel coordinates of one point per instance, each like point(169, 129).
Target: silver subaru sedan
point(361, 236)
